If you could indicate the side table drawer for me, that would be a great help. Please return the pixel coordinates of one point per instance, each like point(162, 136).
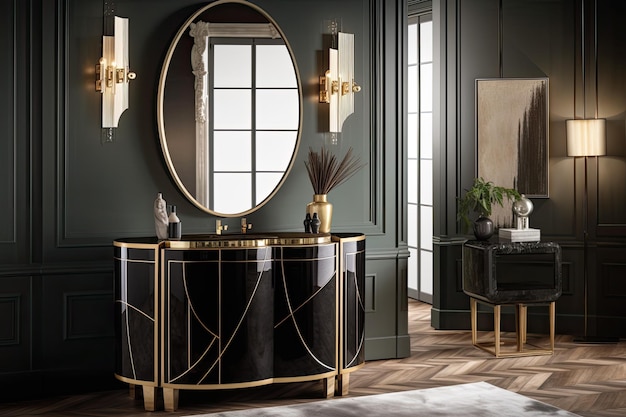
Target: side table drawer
point(509, 272)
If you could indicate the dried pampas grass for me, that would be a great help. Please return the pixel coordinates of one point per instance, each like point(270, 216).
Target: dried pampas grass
point(326, 173)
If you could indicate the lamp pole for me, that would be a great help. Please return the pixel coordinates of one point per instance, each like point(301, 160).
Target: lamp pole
point(586, 250)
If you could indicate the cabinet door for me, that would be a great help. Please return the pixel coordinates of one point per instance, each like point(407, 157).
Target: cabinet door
point(136, 278)
point(247, 339)
point(352, 305)
point(305, 329)
point(217, 316)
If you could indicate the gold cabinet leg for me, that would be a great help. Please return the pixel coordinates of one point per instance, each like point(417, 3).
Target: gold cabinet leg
point(132, 391)
point(149, 398)
point(342, 384)
point(170, 399)
point(329, 386)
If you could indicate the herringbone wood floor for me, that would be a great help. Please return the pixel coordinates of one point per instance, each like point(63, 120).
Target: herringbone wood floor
point(589, 380)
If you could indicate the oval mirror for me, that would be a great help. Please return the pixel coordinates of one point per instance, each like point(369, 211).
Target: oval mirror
point(229, 108)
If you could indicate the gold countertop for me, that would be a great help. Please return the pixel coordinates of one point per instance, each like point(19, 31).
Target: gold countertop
point(233, 240)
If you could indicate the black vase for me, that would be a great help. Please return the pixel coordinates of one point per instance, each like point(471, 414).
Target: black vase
point(483, 228)
point(315, 223)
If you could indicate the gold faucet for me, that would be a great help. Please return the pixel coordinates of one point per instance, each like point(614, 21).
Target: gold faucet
point(219, 227)
point(245, 226)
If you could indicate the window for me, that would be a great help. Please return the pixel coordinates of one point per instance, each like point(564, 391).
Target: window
point(419, 157)
point(253, 96)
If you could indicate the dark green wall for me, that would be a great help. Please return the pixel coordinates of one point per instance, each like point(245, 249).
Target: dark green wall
point(67, 196)
point(539, 39)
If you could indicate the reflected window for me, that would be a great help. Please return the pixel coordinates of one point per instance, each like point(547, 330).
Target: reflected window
point(253, 116)
point(237, 104)
point(247, 113)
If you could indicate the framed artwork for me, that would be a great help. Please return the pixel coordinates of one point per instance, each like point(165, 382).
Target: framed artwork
point(512, 133)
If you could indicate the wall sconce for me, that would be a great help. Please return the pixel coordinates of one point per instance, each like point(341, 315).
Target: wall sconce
point(586, 137)
point(113, 75)
point(337, 85)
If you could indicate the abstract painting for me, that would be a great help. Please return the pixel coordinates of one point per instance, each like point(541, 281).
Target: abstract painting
point(512, 133)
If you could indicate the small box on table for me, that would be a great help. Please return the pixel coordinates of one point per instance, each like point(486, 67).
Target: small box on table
point(520, 235)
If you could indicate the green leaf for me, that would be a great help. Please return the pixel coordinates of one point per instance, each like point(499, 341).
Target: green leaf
point(480, 199)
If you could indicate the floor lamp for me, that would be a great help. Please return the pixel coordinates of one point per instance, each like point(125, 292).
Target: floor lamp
point(585, 138)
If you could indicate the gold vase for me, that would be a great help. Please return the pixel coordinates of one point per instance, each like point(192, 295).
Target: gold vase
point(324, 210)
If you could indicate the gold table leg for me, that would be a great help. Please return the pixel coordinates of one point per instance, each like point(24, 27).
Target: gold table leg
point(552, 324)
point(522, 325)
point(496, 328)
point(521, 330)
point(473, 320)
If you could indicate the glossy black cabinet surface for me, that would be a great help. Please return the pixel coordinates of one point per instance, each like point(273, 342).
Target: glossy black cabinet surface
point(352, 272)
point(209, 312)
point(136, 312)
point(216, 307)
point(306, 310)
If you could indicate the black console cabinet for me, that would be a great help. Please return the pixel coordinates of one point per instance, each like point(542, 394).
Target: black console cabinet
point(238, 311)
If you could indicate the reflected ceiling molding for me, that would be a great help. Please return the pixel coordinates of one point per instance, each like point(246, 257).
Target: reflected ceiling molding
point(200, 32)
point(241, 30)
point(113, 76)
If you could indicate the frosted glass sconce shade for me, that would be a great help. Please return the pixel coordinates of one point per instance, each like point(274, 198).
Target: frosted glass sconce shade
point(586, 137)
point(113, 74)
point(337, 86)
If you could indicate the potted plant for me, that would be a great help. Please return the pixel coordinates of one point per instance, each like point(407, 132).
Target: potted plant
point(479, 199)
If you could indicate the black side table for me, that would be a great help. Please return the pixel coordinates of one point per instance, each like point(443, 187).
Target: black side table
point(512, 273)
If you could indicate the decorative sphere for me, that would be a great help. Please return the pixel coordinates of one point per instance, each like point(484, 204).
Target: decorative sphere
point(523, 207)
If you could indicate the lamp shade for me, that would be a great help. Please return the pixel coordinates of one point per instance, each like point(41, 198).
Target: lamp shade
point(586, 137)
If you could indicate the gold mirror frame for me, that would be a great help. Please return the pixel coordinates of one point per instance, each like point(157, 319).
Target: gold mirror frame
point(160, 108)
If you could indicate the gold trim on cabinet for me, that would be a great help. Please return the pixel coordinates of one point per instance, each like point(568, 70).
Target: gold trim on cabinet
point(230, 241)
point(242, 242)
point(303, 378)
point(347, 239)
point(160, 355)
point(134, 245)
point(135, 381)
point(343, 371)
point(338, 309)
point(220, 386)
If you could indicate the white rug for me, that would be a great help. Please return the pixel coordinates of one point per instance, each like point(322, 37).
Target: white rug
point(467, 400)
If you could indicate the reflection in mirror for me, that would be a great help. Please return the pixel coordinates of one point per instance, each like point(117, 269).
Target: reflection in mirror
point(230, 109)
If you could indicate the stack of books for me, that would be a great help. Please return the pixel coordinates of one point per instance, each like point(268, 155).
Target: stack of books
point(520, 235)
